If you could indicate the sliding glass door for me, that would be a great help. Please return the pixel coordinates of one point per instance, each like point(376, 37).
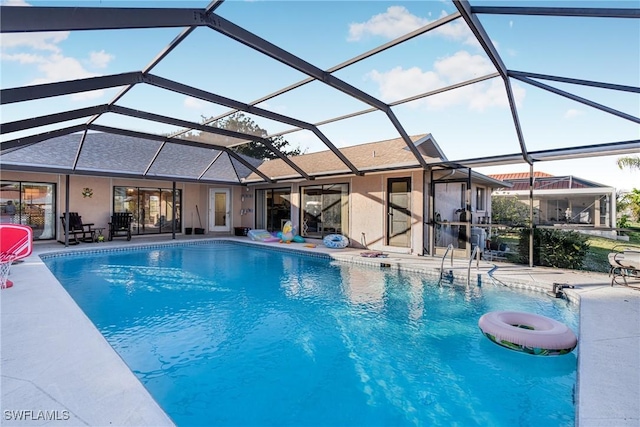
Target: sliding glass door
point(152, 208)
point(29, 203)
point(325, 210)
point(273, 207)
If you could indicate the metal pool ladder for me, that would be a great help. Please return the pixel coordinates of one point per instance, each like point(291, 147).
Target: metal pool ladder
point(449, 249)
point(475, 253)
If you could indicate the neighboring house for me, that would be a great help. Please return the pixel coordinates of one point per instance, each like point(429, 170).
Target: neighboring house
point(564, 200)
point(393, 204)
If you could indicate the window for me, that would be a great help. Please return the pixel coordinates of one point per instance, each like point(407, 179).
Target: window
point(152, 208)
point(325, 210)
point(480, 199)
point(32, 204)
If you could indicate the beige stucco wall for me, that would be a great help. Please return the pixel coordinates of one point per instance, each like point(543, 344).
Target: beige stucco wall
point(367, 208)
point(369, 213)
point(97, 209)
point(367, 203)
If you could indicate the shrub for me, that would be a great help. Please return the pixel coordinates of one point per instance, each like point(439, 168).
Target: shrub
point(623, 222)
point(554, 248)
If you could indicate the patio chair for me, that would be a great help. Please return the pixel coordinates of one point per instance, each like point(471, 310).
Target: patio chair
point(78, 231)
point(120, 225)
point(625, 264)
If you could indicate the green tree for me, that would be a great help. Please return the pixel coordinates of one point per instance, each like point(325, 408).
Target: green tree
point(631, 200)
point(238, 122)
point(509, 210)
point(631, 162)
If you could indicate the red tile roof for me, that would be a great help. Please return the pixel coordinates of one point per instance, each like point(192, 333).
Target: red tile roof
point(543, 181)
point(560, 184)
point(518, 175)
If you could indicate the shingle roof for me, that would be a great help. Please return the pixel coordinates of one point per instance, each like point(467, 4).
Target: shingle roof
point(117, 154)
point(365, 157)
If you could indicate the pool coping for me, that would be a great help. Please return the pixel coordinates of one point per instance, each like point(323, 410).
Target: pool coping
point(91, 384)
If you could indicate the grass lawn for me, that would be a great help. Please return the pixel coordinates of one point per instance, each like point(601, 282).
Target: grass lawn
point(600, 247)
point(596, 259)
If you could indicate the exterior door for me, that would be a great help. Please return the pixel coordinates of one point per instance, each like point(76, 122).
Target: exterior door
point(273, 208)
point(399, 212)
point(219, 210)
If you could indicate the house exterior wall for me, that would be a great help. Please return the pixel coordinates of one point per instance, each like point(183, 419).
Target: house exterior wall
point(367, 208)
point(369, 213)
point(98, 208)
point(367, 203)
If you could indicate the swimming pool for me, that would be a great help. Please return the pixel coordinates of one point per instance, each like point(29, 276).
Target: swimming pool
point(226, 334)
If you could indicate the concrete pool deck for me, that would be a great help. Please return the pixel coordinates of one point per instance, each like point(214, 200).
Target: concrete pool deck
point(57, 369)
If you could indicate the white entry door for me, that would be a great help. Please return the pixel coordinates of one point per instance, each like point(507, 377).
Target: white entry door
point(219, 209)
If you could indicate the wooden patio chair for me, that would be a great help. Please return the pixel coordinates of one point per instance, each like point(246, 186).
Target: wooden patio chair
point(78, 231)
point(120, 225)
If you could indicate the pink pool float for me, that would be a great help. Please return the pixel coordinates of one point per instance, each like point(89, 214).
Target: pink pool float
point(528, 333)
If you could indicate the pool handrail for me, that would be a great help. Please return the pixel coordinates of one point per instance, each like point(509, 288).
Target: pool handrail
point(449, 248)
point(475, 253)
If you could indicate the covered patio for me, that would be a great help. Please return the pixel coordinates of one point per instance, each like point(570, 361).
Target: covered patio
point(135, 128)
point(128, 138)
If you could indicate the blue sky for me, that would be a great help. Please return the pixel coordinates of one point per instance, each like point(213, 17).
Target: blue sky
point(467, 123)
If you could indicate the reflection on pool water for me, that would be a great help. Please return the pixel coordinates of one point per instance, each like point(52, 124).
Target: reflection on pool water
point(227, 334)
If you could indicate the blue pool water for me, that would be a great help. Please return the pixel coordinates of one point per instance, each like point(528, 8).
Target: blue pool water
point(230, 335)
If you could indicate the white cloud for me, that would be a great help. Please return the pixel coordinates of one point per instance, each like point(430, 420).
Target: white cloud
point(194, 103)
point(396, 21)
point(572, 113)
point(399, 83)
point(38, 41)
point(58, 67)
point(462, 66)
point(100, 59)
point(456, 30)
point(22, 58)
point(42, 51)
point(55, 68)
